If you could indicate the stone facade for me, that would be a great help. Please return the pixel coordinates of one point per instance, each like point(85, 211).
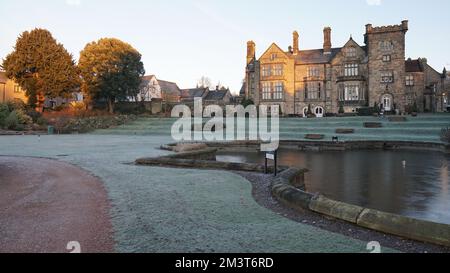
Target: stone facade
point(10, 90)
point(349, 77)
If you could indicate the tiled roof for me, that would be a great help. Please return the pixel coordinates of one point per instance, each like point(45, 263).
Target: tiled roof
point(413, 66)
point(316, 56)
point(216, 94)
point(146, 80)
point(148, 77)
point(169, 88)
point(242, 92)
point(193, 93)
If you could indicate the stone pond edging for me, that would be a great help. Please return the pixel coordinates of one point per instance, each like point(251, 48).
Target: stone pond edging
point(201, 159)
point(288, 187)
point(402, 226)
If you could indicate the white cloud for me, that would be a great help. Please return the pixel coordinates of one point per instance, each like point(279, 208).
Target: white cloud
point(73, 2)
point(374, 2)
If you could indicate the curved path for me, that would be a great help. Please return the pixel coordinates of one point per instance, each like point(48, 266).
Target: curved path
point(50, 204)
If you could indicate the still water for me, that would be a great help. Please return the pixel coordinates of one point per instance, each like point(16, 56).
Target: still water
point(373, 179)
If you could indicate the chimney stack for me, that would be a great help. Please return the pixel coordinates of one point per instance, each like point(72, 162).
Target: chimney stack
point(327, 40)
point(251, 51)
point(295, 43)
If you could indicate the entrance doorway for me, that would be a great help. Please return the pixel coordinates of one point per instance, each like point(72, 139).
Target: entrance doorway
point(319, 111)
point(386, 102)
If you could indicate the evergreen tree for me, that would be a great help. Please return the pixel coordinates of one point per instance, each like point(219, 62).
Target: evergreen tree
point(341, 109)
point(42, 67)
point(111, 70)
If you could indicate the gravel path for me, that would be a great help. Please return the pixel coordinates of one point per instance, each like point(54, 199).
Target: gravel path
point(45, 204)
point(261, 193)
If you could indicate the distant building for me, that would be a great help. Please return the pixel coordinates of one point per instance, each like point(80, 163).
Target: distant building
point(153, 88)
point(10, 90)
point(219, 96)
point(189, 95)
point(424, 86)
point(351, 77)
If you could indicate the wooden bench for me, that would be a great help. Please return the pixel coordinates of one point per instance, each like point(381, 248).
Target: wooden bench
point(373, 125)
point(345, 131)
point(314, 137)
point(397, 119)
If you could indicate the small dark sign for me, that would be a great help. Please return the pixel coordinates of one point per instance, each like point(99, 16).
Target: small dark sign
point(271, 156)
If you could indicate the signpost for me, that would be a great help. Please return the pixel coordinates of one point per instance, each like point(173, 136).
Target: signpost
point(274, 157)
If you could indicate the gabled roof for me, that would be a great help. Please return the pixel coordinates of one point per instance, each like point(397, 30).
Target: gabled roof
point(276, 47)
point(169, 88)
point(413, 66)
point(217, 94)
point(146, 80)
point(242, 91)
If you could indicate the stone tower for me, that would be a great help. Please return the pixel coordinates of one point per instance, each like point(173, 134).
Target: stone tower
point(386, 65)
point(252, 74)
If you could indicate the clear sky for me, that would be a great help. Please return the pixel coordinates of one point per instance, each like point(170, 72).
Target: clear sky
point(183, 40)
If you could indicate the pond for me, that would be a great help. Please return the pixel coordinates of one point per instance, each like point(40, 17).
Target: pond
point(373, 179)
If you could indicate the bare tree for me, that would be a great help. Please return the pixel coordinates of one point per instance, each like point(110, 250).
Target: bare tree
point(204, 82)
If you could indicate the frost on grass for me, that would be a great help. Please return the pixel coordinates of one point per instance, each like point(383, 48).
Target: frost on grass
point(176, 210)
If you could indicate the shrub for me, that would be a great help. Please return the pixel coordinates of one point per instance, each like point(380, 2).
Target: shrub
point(445, 134)
point(12, 121)
point(248, 102)
point(415, 109)
point(376, 108)
point(341, 109)
point(33, 114)
point(309, 111)
point(22, 117)
point(41, 121)
point(4, 113)
point(16, 104)
point(365, 111)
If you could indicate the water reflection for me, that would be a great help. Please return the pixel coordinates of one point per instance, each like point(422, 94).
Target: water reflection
point(374, 179)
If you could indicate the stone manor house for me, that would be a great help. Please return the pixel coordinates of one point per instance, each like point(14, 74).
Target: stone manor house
point(352, 76)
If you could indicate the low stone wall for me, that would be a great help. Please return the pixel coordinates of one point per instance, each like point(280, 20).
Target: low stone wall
point(405, 227)
point(335, 146)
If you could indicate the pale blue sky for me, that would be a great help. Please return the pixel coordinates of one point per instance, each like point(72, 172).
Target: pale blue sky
point(181, 40)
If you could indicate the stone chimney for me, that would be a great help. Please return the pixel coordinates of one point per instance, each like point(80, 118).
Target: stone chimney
point(251, 51)
point(295, 43)
point(369, 28)
point(327, 40)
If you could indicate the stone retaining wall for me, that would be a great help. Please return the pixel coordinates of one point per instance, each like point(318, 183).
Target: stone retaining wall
point(336, 146)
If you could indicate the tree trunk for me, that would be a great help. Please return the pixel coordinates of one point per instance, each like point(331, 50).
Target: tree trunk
point(40, 100)
point(111, 105)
